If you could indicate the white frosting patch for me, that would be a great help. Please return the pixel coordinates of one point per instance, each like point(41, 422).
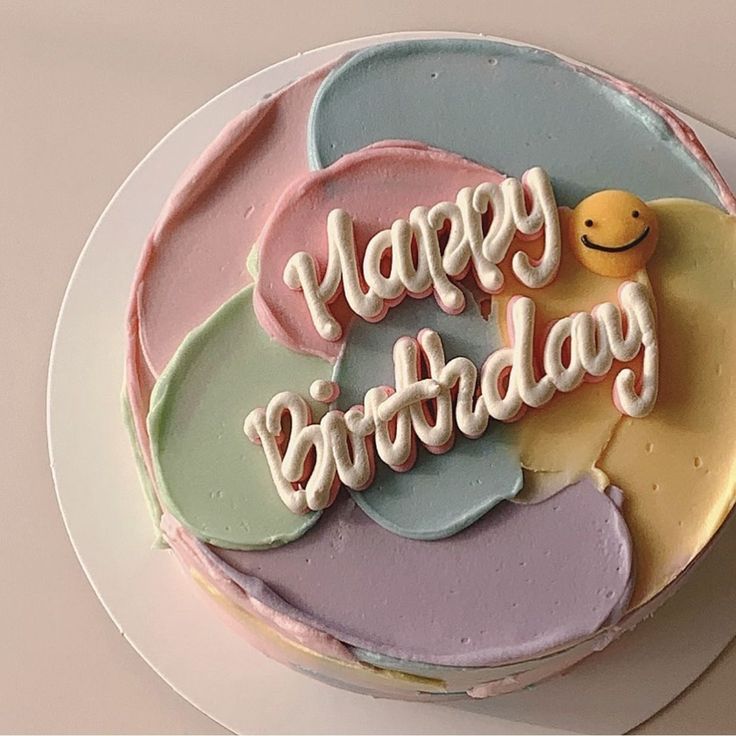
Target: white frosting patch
point(433, 269)
point(308, 465)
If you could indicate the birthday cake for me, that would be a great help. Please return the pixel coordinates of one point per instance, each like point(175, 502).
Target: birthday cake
point(430, 366)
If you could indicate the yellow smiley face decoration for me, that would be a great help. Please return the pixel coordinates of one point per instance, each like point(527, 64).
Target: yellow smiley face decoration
point(613, 233)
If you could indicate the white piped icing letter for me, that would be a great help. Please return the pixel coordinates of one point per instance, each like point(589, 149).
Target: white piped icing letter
point(433, 270)
point(632, 397)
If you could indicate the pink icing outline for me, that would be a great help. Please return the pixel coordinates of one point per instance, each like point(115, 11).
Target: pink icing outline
point(411, 461)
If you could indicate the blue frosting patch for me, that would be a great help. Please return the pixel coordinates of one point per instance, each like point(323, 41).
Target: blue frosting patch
point(507, 107)
point(442, 494)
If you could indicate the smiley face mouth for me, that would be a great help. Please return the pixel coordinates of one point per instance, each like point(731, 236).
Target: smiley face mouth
point(618, 248)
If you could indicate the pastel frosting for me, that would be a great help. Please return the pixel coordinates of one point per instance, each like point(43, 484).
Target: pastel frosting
point(215, 483)
point(368, 593)
point(512, 600)
point(194, 258)
point(508, 106)
point(677, 464)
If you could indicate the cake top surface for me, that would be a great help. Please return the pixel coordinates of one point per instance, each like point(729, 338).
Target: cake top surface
point(460, 415)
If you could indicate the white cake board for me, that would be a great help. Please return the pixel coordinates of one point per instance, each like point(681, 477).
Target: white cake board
point(176, 632)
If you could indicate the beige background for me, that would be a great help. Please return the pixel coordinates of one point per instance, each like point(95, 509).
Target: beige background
point(86, 89)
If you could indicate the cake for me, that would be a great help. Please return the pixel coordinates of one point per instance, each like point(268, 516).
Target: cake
point(430, 374)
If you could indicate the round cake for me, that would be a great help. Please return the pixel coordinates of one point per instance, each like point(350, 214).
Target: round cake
point(430, 374)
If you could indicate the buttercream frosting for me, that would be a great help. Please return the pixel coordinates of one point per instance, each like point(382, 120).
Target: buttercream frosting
point(677, 464)
point(214, 482)
point(511, 601)
point(308, 460)
point(194, 258)
point(251, 186)
point(505, 105)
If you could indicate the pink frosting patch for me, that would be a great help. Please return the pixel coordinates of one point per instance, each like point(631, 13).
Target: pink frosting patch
point(195, 256)
point(375, 185)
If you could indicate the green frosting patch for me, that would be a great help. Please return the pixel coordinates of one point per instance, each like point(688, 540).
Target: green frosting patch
point(209, 475)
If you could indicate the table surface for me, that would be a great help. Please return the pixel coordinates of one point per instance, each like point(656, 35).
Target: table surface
point(88, 88)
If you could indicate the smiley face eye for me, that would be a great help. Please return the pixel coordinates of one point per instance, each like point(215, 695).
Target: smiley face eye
point(635, 213)
point(589, 223)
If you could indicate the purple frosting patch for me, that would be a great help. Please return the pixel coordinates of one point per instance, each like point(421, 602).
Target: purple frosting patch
point(518, 582)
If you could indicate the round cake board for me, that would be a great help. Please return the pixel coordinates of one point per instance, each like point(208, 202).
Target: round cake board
point(154, 605)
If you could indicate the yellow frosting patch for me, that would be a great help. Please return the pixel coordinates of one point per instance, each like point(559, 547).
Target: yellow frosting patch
point(676, 466)
point(568, 435)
